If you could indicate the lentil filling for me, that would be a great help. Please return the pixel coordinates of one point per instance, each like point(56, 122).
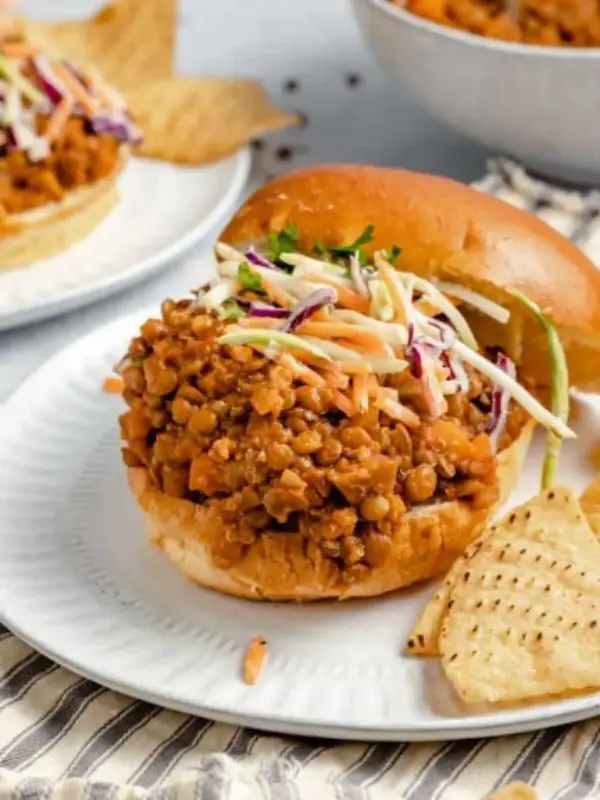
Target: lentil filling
point(558, 23)
point(231, 427)
point(77, 157)
point(61, 126)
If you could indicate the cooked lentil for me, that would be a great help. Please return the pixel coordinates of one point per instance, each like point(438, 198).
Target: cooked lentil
point(78, 157)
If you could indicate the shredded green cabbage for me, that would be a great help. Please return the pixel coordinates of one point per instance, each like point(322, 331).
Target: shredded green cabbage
point(559, 375)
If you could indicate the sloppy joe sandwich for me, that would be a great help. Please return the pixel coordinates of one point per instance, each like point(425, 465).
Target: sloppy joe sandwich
point(65, 136)
point(342, 409)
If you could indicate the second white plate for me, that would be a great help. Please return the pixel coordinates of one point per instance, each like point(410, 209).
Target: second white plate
point(162, 212)
point(79, 581)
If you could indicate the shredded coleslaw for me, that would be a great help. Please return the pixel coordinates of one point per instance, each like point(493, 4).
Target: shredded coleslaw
point(368, 317)
point(34, 83)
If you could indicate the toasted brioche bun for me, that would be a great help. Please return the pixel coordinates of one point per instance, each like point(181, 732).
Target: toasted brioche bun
point(43, 232)
point(277, 567)
point(450, 232)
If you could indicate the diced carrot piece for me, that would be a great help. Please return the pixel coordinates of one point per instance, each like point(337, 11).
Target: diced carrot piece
point(114, 384)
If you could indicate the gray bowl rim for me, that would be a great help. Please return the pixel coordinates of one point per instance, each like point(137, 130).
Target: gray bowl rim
point(464, 37)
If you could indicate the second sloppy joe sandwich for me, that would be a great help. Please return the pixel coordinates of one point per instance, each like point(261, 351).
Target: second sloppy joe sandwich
point(342, 409)
point(65, 136)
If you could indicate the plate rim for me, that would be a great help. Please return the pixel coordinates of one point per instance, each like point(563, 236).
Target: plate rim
point(100, 288)
point(533, 718)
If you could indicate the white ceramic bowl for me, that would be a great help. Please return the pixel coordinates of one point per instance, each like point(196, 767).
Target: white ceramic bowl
point(540, 105)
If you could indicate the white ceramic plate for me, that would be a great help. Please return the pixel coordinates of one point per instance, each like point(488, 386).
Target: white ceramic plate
point(163, 211)
point(79, 582)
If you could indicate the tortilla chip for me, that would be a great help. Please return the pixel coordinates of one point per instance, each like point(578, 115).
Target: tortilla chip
point(424, 637)
point(514, 791)
point(590, 503)
point(523, 618)
point(195, 120)
point(129, 41)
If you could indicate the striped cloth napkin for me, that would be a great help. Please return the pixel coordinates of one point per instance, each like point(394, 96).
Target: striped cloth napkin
point(64, 738)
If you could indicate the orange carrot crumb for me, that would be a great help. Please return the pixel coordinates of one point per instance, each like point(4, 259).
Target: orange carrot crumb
point(254, 659)
point(114, 384)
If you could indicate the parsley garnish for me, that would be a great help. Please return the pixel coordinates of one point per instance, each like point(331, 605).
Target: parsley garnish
point(231, 309)
point(393, 254)
point(248, 279)
point(284, 241)
point(347, 249)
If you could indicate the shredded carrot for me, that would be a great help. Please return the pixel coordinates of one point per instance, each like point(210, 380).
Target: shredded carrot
point(353, 367)
point(364, 349)
point(254, 659)
point(321, 315)
point(18, 50)
point(58, 119)
point(275, 293)
point(330, 377)
point(337, 379)
point(308, 358)
point(360, 394)
point(345, 405)
point(373, 386)
point(428, 307)
point(114, 384)
point(341, 330)
point(301, 371)
point(425, 306)
point(258, 322)
point(346, 297)
point(388, 403)
point(7, 29)
point(94, 79)
point(386, 273)
point(78, 90)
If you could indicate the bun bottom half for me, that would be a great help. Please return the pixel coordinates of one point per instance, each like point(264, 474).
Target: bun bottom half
point(43, 232)
point(281, 566)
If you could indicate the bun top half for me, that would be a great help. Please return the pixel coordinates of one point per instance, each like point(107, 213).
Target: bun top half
point(451, 232)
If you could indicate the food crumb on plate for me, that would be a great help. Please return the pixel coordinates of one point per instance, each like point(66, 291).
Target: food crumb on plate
point(254, 659)
point(515, 791)
point(113, 384)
